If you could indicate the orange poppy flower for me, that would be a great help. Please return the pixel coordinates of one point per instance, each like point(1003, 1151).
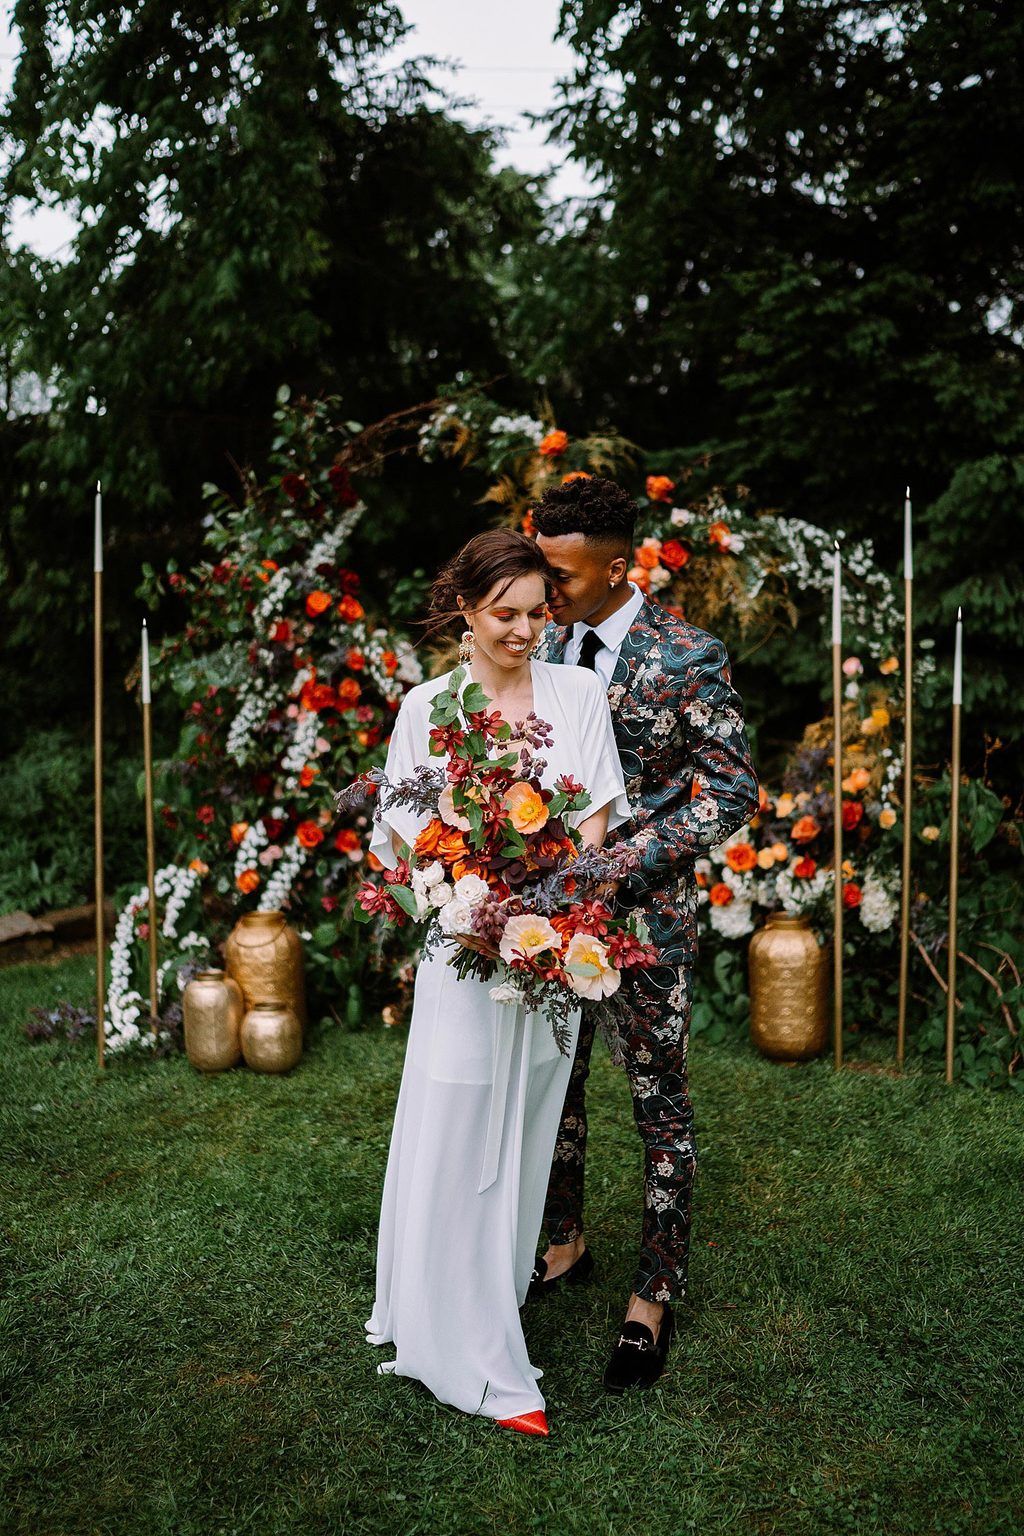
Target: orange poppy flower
point(526, 809)
point(553, 443)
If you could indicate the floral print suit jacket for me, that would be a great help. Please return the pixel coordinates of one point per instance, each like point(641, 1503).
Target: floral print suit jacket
point(683, 745)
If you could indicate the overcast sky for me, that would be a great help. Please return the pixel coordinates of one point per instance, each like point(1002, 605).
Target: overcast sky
point(506, 59)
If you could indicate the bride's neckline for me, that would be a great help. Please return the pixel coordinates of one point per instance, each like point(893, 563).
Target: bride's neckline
point(470, 678)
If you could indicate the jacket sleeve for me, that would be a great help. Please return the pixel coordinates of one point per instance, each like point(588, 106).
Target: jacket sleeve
point(725, 791)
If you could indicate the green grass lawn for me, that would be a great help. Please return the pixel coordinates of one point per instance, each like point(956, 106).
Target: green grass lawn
point(187, 1264)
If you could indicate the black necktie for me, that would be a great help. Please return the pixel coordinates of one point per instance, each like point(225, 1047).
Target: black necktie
point(589, 649)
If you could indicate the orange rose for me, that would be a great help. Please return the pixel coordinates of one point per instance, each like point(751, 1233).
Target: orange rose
point(317, 602)
point(719, 536)
point(316, 696)
point(355, 660)
point(741, 856)
point(199, 867)
point(309, 834)
point(351, 609)
point(247, 881)
point(307, 775)
point(805, 830)
point(346, 840)
point(452, 846)
point(854, 782)
point(390, 661)
point(349, 693)
point(576, 474)
point(553, 444)
point(426, 843)
point(649, 554)
point(720, 895)
point(526, 809)
point(640, 578)
point(238, 831)
point(660, 488)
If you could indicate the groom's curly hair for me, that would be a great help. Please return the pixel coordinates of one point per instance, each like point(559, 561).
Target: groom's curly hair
point(598, 508)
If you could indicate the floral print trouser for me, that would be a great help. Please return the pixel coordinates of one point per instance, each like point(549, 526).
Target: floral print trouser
point(655, 1055)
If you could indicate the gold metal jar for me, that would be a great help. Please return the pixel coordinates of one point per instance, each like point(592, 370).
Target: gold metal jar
point(271, 1037)
point(789, 988)
point(212, 1008)
point(264, 955)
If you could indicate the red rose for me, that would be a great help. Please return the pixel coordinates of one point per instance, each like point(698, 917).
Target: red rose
point(294, 487)
point(341, 485)
point(804, 868)
point(851, 895)
point(346, 840)
point(309, 834)
point(205, 814)
point(273, 826)
point(674, 555)
point(281, 633)
point(853, 813)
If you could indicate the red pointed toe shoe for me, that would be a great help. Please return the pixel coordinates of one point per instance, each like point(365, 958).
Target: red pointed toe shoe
point(534, 1423)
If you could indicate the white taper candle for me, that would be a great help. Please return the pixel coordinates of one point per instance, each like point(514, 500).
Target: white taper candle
point(837, 598)
point(97, 553)
point(146, 697)
point(958, 660)
point(908, 541)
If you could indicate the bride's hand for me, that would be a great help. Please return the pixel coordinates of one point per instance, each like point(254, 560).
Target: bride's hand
point(472, 941)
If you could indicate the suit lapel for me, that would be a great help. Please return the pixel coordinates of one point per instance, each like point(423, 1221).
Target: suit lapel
point(556, 638)
point(640, 636)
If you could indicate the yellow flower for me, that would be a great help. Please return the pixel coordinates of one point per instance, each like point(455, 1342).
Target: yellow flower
point(784, 806)
point(868, 726)
point(930, 834)
point(891, 664)
point(887, 818)
point(779, 852)
point(765, 858)
point(880, 718)
point(854, 782)
point(848, 870)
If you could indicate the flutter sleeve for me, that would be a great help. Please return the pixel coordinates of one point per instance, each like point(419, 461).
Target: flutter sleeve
point(601, 769)
point(406, 751)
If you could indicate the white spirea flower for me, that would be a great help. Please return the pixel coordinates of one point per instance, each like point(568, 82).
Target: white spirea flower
point(734, 920)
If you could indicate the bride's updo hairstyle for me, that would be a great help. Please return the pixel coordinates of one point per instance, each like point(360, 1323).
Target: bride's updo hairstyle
point(499, 555)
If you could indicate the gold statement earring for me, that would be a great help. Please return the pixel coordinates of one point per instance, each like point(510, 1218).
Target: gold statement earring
point(467, 645)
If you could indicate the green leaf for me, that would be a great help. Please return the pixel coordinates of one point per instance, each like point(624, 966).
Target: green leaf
point(406, 899)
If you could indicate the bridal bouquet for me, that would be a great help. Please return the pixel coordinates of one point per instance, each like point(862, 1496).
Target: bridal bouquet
point(499, 861)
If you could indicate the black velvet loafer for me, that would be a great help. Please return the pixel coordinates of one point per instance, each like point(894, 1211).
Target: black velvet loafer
point(637, 1360)
point(577, 1274)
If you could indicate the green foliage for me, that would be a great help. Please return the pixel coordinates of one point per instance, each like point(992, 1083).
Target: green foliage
point(805, 261)
point(263, 202)
point(46, 820)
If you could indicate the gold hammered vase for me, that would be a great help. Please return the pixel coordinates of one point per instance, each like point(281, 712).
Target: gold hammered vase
point(789, 987)
point(264, 955)
point(271, 1037)
point(212, 1008)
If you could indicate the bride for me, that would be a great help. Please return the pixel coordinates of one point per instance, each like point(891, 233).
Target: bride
point(483, 1084)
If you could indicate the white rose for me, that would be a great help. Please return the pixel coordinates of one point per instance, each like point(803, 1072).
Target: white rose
point(440, 895)
point(505, 993)
point(430, 874)
point(680, 516)
point(456, 918)
point(471, 889)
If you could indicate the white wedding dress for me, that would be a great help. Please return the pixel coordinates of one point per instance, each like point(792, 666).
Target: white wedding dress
point(478, 1111)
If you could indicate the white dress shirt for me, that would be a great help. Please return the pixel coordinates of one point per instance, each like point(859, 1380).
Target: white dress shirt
point(611, 634)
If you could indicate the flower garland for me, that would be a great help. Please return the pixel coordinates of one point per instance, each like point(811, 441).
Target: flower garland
point(175, 888)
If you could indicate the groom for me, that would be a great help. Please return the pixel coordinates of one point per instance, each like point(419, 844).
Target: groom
point(680, 733)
